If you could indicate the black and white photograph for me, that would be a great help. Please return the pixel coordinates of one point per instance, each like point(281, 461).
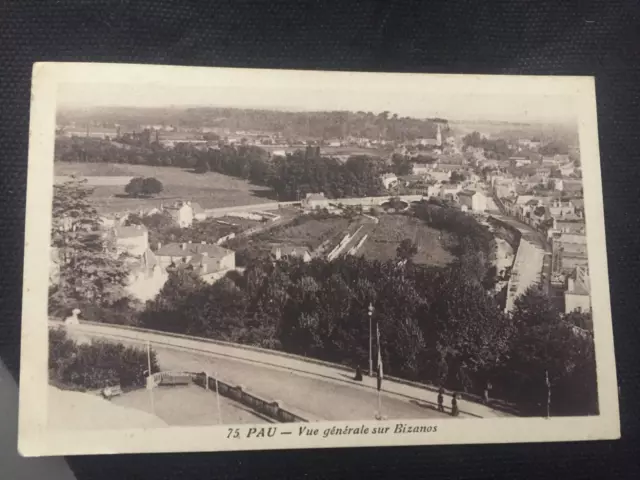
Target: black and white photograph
point(220, 259)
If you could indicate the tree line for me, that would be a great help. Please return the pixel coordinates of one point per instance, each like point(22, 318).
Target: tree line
point(290, 125)
point(291, 177)
point(438, 326)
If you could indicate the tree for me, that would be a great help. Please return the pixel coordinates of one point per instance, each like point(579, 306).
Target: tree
point(534, 308)
point(140, 186)
point(406, 250)
point(90, 268)
point(151, 186)
point(457, 177)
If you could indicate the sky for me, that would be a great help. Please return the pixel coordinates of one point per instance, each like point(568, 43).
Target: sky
point(523, 107)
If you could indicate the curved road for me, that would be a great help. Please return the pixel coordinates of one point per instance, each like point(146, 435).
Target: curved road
point(314, 391)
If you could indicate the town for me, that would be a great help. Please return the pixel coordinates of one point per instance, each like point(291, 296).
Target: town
point(535, 190)
point(448, 253)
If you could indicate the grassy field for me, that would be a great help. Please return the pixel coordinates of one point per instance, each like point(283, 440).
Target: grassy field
point(210, 190)
point(392, 229)
point(311, 233)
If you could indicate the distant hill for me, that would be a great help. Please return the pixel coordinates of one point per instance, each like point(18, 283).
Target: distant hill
point(320, 125)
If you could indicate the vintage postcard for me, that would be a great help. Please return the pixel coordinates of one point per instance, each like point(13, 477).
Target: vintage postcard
point(232, 259)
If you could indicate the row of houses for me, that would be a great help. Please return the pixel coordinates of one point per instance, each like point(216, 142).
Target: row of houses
point(149, 270)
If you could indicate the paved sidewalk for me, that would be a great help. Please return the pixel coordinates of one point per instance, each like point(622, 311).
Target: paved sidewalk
point(416, 395)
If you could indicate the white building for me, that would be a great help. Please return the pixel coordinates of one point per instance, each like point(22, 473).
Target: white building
point(567, 169)
point(147, 277)
point(287, 251)
point(577, 296)
point(440, 175)
point(210, 262)
point(420, 168)
point(315, 201)
point(132, 240)
point(473, 200)
point(181, 213)
point(389, 180)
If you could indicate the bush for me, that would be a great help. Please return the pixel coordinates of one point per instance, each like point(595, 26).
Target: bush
point(96, 365)
point(141, 186)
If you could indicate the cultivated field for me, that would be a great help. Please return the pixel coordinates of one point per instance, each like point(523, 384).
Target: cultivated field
point(311, 233)
point(210, 190)
point(392, 229)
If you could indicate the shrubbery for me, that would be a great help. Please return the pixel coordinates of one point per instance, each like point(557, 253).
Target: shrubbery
point(143, 186)
point(96, 365)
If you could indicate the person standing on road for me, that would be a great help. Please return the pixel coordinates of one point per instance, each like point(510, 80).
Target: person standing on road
point(487, 388)
point(441, 400)
point(454, 405)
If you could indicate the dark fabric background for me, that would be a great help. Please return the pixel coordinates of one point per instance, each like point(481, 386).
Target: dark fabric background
point(510, 36)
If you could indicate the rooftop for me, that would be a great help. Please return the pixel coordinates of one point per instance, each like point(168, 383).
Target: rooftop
point(315, 196)
point(191, 249)
point(290, 250)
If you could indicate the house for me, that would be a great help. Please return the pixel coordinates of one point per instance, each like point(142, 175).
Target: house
point(450, 191)
point(472, 200)
point(559, 207)
point(558, 184)
point(567, 169)
point(572, 186)
point(315, 201)
point(146, 277)
point(533, 181)
point(181, 213)
point(421, 168)
point(577, 297)
point(287, 251)
point(112, 220)
point(543, 172)
point(389, 180)
point(578, 204)
point(198, 212)
point(538, 215)
point(504, 187)
point(520, 161)
point(568, 251)
point(132, 240)
point(210, 262)
point(575, 225)
point(449, 167)
point(440, 175)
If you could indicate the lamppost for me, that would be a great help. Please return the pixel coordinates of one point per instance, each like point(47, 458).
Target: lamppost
point(370, 311)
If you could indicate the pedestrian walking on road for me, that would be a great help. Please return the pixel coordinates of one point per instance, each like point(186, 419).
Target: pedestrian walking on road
point(358, 377)
point(454, 405)
point(441, 400)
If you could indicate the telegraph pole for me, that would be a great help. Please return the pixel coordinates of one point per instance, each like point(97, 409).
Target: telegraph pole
point(370, 311)
point(153, 405)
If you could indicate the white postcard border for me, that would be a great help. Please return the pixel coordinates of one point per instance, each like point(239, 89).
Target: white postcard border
point(36, 440)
